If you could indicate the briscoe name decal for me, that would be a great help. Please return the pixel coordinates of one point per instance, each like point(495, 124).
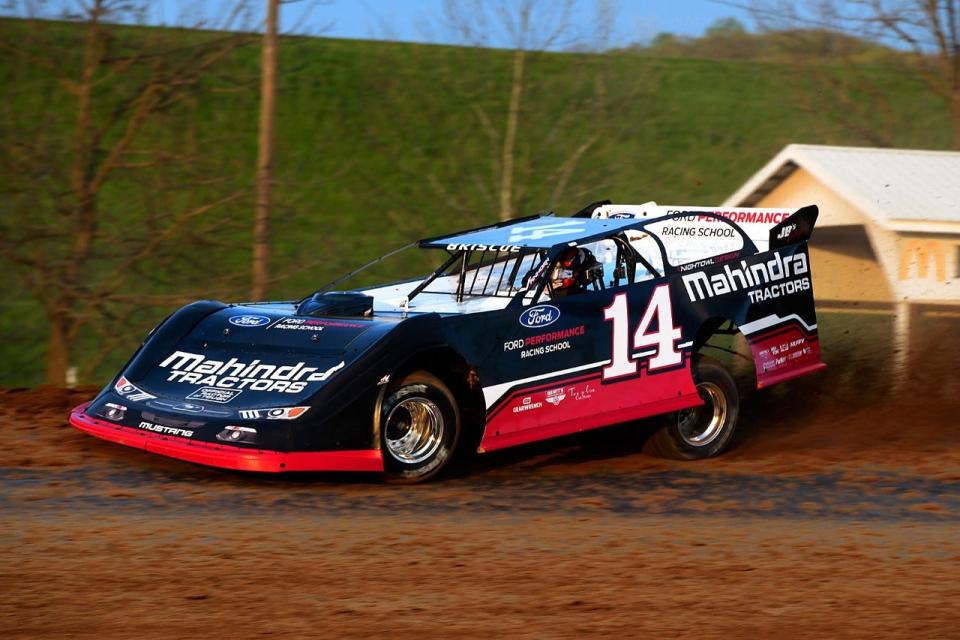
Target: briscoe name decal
point(748, 276)
point(506, 248)
point(193, 368)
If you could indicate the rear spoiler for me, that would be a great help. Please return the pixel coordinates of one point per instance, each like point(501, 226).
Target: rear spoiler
point(796, 228)
point(587, 211)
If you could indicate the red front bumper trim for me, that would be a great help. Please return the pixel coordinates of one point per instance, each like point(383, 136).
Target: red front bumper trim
point(225, 456)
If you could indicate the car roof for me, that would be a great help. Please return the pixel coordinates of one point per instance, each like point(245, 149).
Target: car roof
point(540, 232)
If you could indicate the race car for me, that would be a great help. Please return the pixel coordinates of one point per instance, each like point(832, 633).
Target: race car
point(528, 329)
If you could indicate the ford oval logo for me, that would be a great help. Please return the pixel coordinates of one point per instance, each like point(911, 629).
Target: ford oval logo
point(539, 316)
point(187, 406)
point(249, 321)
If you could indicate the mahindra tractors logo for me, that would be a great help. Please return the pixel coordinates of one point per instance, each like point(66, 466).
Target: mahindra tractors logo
point(747, 276)
point(233, 375)
point(539, 316)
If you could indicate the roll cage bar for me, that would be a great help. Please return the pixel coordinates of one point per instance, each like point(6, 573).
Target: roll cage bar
point(626, 253)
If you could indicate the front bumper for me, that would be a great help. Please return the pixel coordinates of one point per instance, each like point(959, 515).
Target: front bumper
point(226, 456)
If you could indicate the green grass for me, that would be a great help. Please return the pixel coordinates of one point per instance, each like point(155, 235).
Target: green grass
point(370, 133)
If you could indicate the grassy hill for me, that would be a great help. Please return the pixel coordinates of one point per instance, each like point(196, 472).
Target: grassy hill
point(380, 143)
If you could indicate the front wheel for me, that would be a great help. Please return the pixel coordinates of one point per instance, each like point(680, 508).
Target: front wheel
point(704, 431)
point(419, 428)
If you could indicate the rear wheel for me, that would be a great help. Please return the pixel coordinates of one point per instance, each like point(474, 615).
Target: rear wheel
point(419, 428)
point(704, 431)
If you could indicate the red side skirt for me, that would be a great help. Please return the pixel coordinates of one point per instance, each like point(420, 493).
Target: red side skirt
point(225, 456)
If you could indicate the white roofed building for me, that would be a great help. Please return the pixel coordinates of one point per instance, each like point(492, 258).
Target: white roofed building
point(888, 236)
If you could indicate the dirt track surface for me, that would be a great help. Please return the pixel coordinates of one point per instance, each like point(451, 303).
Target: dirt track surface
point(836, 515)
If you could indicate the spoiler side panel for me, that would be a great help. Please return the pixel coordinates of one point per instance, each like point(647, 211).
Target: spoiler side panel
point(769, 297)
point(796, 228)
point(780, 325)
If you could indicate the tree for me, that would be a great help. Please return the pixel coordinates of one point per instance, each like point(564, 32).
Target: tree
point(929, 30)
point(518, 129)
point(268, 92)
point(524, 26)
point(725, 27)
point(87, 265)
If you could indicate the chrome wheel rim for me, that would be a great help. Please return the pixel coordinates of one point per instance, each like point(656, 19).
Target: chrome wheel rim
point(413, 430)
point(699, 426)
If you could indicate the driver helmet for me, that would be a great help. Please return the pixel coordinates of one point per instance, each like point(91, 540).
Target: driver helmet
point(575, 269)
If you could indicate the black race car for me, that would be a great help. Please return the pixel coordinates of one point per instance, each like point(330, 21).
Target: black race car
point(528, 329)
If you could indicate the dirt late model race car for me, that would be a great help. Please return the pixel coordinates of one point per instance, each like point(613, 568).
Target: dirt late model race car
point(528, 329)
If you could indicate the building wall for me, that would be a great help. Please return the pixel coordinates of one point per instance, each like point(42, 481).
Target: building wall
point(877, 266)
point(801, 188)
point(844, 265)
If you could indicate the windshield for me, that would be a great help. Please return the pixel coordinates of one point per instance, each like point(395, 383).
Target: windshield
point(483, 273)
point(462, 274)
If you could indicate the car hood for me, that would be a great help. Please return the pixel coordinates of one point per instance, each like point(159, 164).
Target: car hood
point(247, 356)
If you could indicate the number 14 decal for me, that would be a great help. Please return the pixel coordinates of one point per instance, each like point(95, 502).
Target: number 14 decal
point(663, 338)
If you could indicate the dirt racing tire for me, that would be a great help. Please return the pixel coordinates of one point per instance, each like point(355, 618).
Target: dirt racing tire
point(419, 428)
point(704, 431)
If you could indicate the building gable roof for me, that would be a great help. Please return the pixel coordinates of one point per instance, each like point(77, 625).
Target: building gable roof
point(900, 189)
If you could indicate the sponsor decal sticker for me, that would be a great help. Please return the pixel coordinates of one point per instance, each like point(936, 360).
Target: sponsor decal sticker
point(543, 343)
point(749, 276)
point(188, 407)
point(556, 396)
point(315, 324)
point(506, 248)
point(740, 217)
point(778, 355)
point(786, 231)
point(707, 262)
point(212, 394)
point(249, 321)
point(549, 348)
point(527, 405)
point(169, 431)
point(298, 324)
point(131, 391)
point(583, 391)
point(698, 232)
point(541, 315)
point(279, 413)
point(197, 369)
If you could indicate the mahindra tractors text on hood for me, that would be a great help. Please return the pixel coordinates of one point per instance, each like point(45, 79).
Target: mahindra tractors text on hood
point(253, 356)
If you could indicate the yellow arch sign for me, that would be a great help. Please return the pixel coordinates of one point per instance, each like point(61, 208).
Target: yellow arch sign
point(922, 252)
